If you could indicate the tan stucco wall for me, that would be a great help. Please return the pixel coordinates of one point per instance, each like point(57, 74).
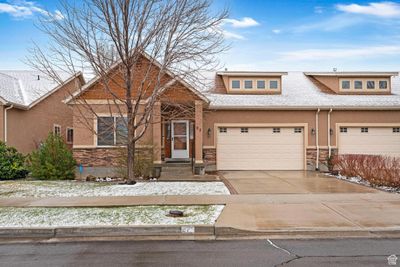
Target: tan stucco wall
point(1, 122)
point(27, 128)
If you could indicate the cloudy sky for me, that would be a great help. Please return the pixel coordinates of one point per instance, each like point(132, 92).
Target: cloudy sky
point(263, 34)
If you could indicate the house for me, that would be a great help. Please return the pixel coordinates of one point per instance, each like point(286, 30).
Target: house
point(31, 106)
point(255, 121)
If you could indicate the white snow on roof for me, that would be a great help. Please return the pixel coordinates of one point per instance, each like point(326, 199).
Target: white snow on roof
point(22, 87)
point(299, 91)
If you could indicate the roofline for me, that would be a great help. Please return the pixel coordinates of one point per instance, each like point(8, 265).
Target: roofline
point(96, 78)
point(251, 73)
point(353, 73)
point(304, 107)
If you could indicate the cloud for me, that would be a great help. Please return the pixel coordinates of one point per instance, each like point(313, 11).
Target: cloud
point(232, 35)
point(381, 9)
point(242, 23)
point(328, 54)
point(26, 9)
point(276, 31)
point(318, 9)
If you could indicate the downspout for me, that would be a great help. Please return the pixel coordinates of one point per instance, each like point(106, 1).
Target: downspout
point(316, 138)
point(329, 133)
point(5, 122)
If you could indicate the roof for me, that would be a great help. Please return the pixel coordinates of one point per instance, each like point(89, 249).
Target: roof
point(25, 88)
point(353, 73)
point(299, 92)
point(250, 73)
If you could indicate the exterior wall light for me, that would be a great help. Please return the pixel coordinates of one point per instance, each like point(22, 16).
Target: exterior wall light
point(331, 131)
point(209, 132)
point(312, 131)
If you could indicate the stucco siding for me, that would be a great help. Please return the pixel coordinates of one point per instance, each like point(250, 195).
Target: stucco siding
point(1, 122)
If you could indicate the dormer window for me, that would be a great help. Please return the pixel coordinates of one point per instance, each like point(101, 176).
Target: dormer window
point(260, 84)
point(235, 84)
point(248, 84)
point(358, 84)
point(383, 85)
point(273, 84)
point(345, 85)
point(370, 84)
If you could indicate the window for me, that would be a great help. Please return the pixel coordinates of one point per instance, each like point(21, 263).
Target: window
point(260, 84)
point(343, 130)
point(248, 84)
point(345, 84)
point(370, 84)
point(111, 131)
point(273, 84)
point(364, 130)
point(383, 84)
point(297, 130)
point(57, 129)
point(396, 130)
point(70, 135)
point(358, 84)
point(223, 130)
point(235, 84)
point(276, 130)
point(244, 130)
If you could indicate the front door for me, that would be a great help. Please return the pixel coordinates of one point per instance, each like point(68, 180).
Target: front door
point(180, 139)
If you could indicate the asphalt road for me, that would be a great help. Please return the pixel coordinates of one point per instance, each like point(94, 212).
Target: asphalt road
point(339, 252)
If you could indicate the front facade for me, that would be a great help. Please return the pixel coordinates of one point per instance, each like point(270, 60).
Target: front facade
point(254, 121)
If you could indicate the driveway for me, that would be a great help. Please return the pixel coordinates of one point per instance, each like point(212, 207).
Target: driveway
point(289, 182)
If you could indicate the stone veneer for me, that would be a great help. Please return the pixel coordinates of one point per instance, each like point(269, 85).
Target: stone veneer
point(323, 158)
point(98, 157)
point(209, 156)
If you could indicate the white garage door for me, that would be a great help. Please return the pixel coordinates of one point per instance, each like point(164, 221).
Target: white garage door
point(260, 148)
point(370, 141)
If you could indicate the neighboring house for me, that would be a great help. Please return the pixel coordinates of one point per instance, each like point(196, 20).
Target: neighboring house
point(31, 106)
point(257, 121)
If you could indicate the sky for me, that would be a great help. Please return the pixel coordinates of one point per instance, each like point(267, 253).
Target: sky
point(269, 35)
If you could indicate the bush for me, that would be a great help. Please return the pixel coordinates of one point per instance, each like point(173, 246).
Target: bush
point(377, 170)
point(52, 161)
point(143, 163)
point(11, 163)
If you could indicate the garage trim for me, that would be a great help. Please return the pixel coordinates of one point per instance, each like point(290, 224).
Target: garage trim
point(267, 125)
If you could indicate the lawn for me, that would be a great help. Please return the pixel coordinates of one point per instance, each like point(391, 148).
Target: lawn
point(115, 216)
point(40, 189)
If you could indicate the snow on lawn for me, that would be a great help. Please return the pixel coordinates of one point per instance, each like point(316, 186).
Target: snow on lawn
point(359, 180)
point(25, 188)
point(115, 216)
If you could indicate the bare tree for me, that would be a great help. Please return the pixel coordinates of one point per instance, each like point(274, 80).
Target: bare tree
point(136, 48)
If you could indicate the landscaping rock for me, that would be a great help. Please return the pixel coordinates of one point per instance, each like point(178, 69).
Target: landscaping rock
point(91, 178)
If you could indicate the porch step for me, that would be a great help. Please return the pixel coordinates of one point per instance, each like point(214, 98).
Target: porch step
point(176, 170)
point(177, 164)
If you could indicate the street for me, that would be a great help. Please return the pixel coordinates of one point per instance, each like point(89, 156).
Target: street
point(325, 252)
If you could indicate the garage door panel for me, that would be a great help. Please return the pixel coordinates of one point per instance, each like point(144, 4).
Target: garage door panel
point(260, 149)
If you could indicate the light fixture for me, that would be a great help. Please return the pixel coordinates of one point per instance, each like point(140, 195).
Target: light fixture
point(312, 131)
point(209, 132)
point(331, 131)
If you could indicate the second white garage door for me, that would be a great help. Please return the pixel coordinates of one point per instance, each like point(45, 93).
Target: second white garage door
point(260, 148)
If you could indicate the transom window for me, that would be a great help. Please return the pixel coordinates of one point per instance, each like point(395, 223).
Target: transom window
point(276, 130)
point(370, 84)
point(345, 84)
point(343, 129)
point(248, 84)
point(297, 130)
point(70, 135)
point(273, 84)
point(383, 84)
point(112, 131)
point(244, 130)
point(364, 130)
point(260, 84)
point(396, 130)
point(235, 84)
point(358, 84)
point(57, 129)
point(223, 130)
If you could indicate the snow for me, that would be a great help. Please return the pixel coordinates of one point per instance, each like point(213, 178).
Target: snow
point(299, 91)
point(359, 180)
point(40, 189)
point(116, 216)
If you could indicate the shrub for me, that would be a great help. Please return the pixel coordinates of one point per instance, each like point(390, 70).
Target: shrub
point(52, 161)
point(143, 163)
point(11, 163)
point(377, 170)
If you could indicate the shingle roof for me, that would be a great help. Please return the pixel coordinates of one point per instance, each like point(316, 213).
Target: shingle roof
point(23, 88)
point(298, 91)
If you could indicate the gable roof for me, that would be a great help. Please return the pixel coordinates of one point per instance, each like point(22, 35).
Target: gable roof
point(25, 88)
point(84, 88)
point(299, 92)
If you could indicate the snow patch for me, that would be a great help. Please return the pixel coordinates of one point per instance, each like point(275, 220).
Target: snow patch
point(359, 180)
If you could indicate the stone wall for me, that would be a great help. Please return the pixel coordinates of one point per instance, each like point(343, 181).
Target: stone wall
point(323, 158)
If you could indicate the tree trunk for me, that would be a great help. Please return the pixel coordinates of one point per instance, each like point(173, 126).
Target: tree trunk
point(131, 162)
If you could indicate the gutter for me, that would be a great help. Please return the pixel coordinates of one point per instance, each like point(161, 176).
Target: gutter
point(397, 107)
point(329, 133)
point(316, 138)
point(5, 122)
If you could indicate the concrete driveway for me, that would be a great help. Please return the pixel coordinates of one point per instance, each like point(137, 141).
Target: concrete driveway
point(289, 182)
